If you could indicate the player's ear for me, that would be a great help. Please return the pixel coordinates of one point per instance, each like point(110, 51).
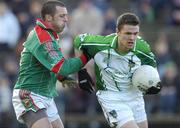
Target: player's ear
point(48, 18)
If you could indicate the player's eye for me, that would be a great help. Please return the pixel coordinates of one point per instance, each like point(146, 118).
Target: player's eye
point(128, 33)
point(63, 15)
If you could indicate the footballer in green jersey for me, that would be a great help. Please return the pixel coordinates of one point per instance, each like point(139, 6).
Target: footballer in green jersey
point(111, 65)
point(116, 57)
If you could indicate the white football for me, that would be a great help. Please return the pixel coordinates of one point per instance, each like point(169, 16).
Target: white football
point(146, 77)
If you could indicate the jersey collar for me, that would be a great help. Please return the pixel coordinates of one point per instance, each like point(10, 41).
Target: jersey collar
point(45, 25)
point(114, 41)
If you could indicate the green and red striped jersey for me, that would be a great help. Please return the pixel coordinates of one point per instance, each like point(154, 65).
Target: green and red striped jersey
point(42, 62)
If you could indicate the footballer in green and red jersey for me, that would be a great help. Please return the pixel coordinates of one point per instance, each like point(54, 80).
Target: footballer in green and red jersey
point(42, 61)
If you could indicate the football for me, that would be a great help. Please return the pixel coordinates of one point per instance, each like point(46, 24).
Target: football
point(146, 79)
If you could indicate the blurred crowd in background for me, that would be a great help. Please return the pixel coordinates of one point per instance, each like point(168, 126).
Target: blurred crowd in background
point(160, 26)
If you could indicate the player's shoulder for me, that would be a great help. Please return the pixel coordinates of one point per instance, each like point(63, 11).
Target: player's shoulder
point(141, 45)
point(111, 37)
point(91, 37)
point(42, 34)
point(93, 40)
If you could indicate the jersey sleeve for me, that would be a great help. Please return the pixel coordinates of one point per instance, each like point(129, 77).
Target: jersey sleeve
point(143, 51)
point(49, 55)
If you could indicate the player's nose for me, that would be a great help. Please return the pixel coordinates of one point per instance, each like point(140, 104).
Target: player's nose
point(66, 19)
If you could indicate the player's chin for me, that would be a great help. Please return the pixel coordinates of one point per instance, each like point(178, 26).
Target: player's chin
point(131, 46)
point(60, 29)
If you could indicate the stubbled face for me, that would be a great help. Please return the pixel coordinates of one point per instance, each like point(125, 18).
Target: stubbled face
point(59, 19)
point(126, 37)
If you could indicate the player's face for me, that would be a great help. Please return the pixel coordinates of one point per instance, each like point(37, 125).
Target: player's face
point(59, 19)
point(127, 36)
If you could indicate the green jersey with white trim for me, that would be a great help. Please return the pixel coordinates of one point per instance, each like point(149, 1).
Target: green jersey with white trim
point(113, 70)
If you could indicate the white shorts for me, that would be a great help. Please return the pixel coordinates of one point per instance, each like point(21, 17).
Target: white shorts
point(118, 110)
point(23, 102)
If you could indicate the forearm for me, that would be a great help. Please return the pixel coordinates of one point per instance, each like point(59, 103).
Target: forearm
point(70, 66)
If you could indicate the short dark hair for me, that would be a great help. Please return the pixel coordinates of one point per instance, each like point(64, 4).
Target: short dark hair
point(49, 7)
point(127, 18)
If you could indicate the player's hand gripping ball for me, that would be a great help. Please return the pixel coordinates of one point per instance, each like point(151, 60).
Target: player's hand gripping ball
point(146, 79)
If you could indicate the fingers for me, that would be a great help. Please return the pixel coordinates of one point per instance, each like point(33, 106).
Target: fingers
point(69, 83)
